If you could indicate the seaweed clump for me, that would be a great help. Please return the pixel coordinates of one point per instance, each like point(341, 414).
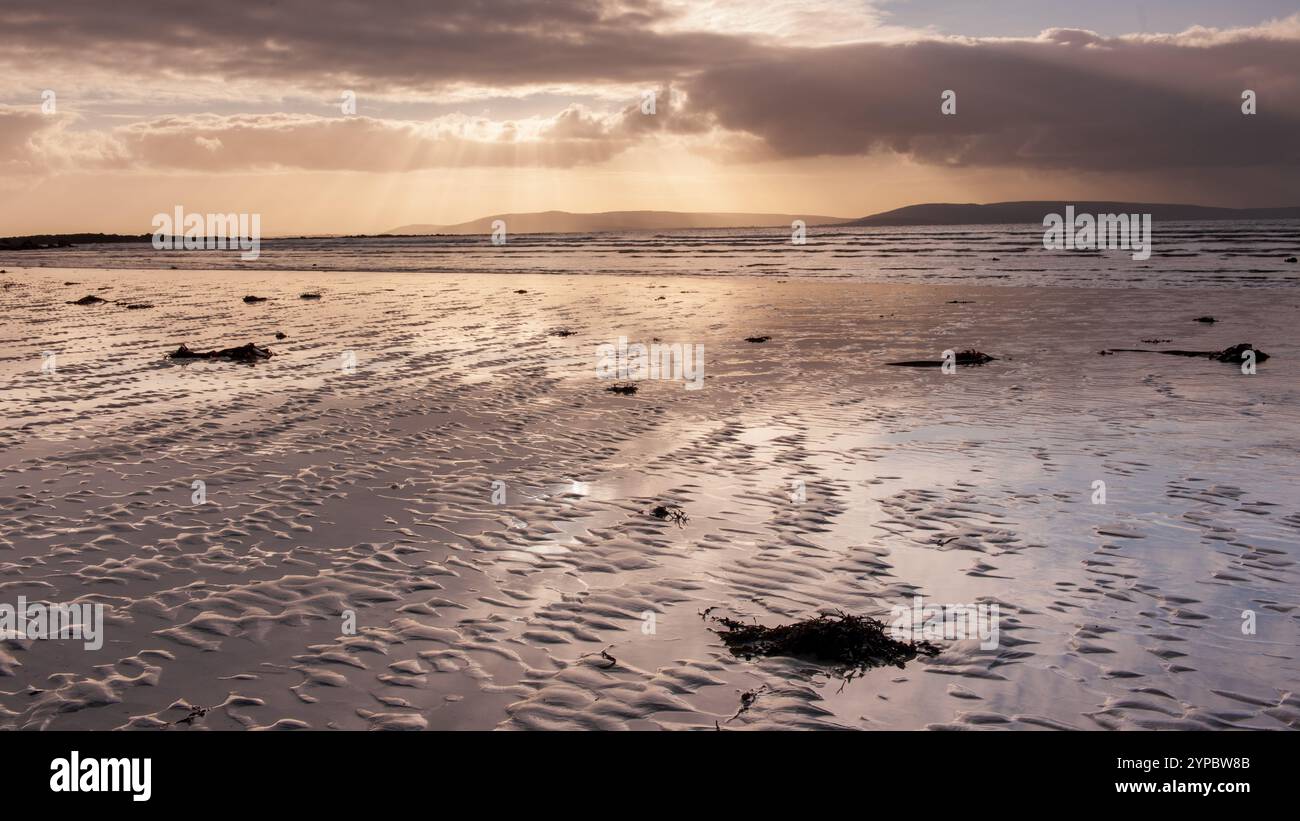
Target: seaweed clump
point(1236, 353)
point(757, 339)
point(249, 353)
point(89, 299)
point(195, 712)
point(670, 513)
point(627, 389)
point(970, 356)
point(848, 645)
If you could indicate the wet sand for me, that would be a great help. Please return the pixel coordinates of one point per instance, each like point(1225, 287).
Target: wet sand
point(370, 490)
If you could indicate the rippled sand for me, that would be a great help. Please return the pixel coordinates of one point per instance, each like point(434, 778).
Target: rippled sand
point(371, 490)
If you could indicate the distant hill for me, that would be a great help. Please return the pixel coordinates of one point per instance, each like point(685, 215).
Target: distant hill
point(559, 222)
point(931, 213)
point(995, 213)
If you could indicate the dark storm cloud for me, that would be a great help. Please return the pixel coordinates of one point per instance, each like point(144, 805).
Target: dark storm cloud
point(1068, 99)
point(373, 44)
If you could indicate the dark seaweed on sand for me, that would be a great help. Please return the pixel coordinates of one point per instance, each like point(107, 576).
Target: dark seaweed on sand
point(670, 513)
point(622, 389)
point(91, 299)
point(757, 338)
point(1234, 354)
point(610, 661)
point(244, 353)
point(747, 701)
point(970, 356)
point(848, 645)
point(562, 332)
point(195, 712)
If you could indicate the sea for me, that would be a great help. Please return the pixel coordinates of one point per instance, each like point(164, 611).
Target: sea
point(1184, 254)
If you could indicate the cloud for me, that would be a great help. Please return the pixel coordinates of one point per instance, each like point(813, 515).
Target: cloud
point(33, 142)
point(221, 143)
point(18, 130)
point(1067, 99)
point(379, 45)
point(275, 141)
point(215, 143)
point(735, 86)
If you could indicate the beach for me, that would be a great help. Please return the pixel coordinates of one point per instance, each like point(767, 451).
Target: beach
point(428, 452)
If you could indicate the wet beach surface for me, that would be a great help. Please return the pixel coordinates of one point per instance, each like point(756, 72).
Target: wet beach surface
point(333, 487)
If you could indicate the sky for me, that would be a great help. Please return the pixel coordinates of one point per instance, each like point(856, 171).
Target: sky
point(341, 116)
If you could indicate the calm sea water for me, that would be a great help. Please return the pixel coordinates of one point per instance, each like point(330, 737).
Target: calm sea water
point(1195, 254)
